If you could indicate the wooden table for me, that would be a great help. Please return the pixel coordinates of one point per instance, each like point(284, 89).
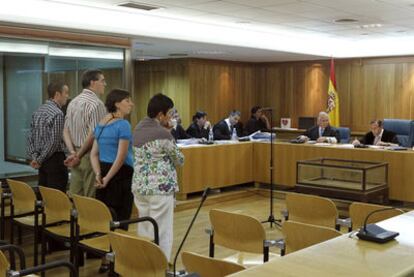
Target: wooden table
point(216, 166)
point(231, 164)
point(344, 256)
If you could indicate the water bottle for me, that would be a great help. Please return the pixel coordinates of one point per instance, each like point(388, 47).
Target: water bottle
point(210, 135)
point(234, 134)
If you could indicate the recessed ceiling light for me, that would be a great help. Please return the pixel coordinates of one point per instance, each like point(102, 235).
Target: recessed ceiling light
point(345, 20)
point(369, 26)
point(243, 22)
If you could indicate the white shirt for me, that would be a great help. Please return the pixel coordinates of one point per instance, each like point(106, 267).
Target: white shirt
point(228, 123)
point(378, 138)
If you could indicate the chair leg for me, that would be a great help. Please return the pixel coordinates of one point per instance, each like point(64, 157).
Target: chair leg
point(19, 231)
point(211, 247)
point(265, 254)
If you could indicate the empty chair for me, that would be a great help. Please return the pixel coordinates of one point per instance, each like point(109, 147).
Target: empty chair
point(241, 233)
point(312, 209)
point(136, 257)
point(345, 134)
point(404, 129)
point(24, 211)
point(301, 235)
point(359, 211)
point(208, 267)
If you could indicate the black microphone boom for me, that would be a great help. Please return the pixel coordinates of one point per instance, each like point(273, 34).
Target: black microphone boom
point(372, 232)
point(203, 198)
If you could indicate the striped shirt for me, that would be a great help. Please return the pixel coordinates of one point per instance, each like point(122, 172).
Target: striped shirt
point(46, 132)
point(83, 114)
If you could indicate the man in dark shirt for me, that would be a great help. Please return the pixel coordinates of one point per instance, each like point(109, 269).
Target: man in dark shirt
point(200, 127)
point(177, 130)
point(378, 135)
point(45, 142)
point(224, 129)
point(257, 122)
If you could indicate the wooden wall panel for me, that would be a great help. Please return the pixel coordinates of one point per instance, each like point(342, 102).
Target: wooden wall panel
point(368, 88)
point(169, 77)
point(219, 87)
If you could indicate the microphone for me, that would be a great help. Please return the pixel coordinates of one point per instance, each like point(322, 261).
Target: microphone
point(372, 232)
point(203, 198)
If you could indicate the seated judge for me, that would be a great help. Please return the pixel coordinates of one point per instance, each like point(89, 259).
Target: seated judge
point(200, 126)
point(177, 130)
point(257, 122)
point(378, 135)
point(224, 129)
point(323, 132)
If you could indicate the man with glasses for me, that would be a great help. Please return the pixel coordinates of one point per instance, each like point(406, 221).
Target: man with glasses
point(83, 114)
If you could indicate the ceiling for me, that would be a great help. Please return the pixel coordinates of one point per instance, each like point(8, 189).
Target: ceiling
point(241, 30)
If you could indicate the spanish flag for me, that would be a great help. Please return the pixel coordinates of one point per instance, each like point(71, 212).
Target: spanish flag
point(333, 99)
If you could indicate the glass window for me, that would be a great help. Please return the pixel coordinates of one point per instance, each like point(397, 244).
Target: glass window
point(26, 69)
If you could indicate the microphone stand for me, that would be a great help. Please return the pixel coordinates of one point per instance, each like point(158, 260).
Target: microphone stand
point(271, 219)
point(203, 198)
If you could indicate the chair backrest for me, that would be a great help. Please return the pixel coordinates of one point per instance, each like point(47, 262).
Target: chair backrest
point(301, 235)
point(137, 257)
point(93, 215)
point(311, 209)
point(404, 129)
point(23, 196)
point(359, 211)
point(208, 267)
point(237, 231)
point(4, 264)
point(345, 134)
point(56, 204)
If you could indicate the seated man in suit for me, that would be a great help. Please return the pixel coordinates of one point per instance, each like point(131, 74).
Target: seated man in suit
point(323, 132)
point(200, 126)
point(177, 130)
point(224, 129)
point(257, 122)
point(378, 135)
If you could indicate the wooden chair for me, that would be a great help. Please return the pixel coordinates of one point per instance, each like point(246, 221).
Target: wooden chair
point(7, 270)
point(24, 211)
point(93, 217)
point(299, 235)
point(208, 267)
point(57, 208)
point(359, 211)
point(312, 209)
point(242, 233)
point(136, 257)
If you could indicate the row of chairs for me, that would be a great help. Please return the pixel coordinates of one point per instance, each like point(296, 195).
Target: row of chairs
point(90, 227)
point(309, 220)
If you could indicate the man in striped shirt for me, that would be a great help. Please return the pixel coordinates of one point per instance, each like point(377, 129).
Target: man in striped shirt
point(45, 146)
point(83, 114)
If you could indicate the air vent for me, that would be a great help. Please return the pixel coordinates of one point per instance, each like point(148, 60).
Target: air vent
point(178, 55)
point(138, 6)
point(345, 20)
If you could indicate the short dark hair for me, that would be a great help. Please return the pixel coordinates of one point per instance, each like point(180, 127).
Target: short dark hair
point(90, 75)
point(255, 109)
point(115, 96)
point(159, 103)
point(235, 113)
point(199, 114)
point(378, 121)
point(54, 87)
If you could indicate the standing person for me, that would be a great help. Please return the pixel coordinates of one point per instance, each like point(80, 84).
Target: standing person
point(111, 155)
point(155, 177)
point(257, 122)
point(45, 142)
point(83, 114)
point(200, 127)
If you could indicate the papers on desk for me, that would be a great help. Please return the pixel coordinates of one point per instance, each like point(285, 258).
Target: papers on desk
point(323, 144)
point(345, 145)
point(226, 141)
